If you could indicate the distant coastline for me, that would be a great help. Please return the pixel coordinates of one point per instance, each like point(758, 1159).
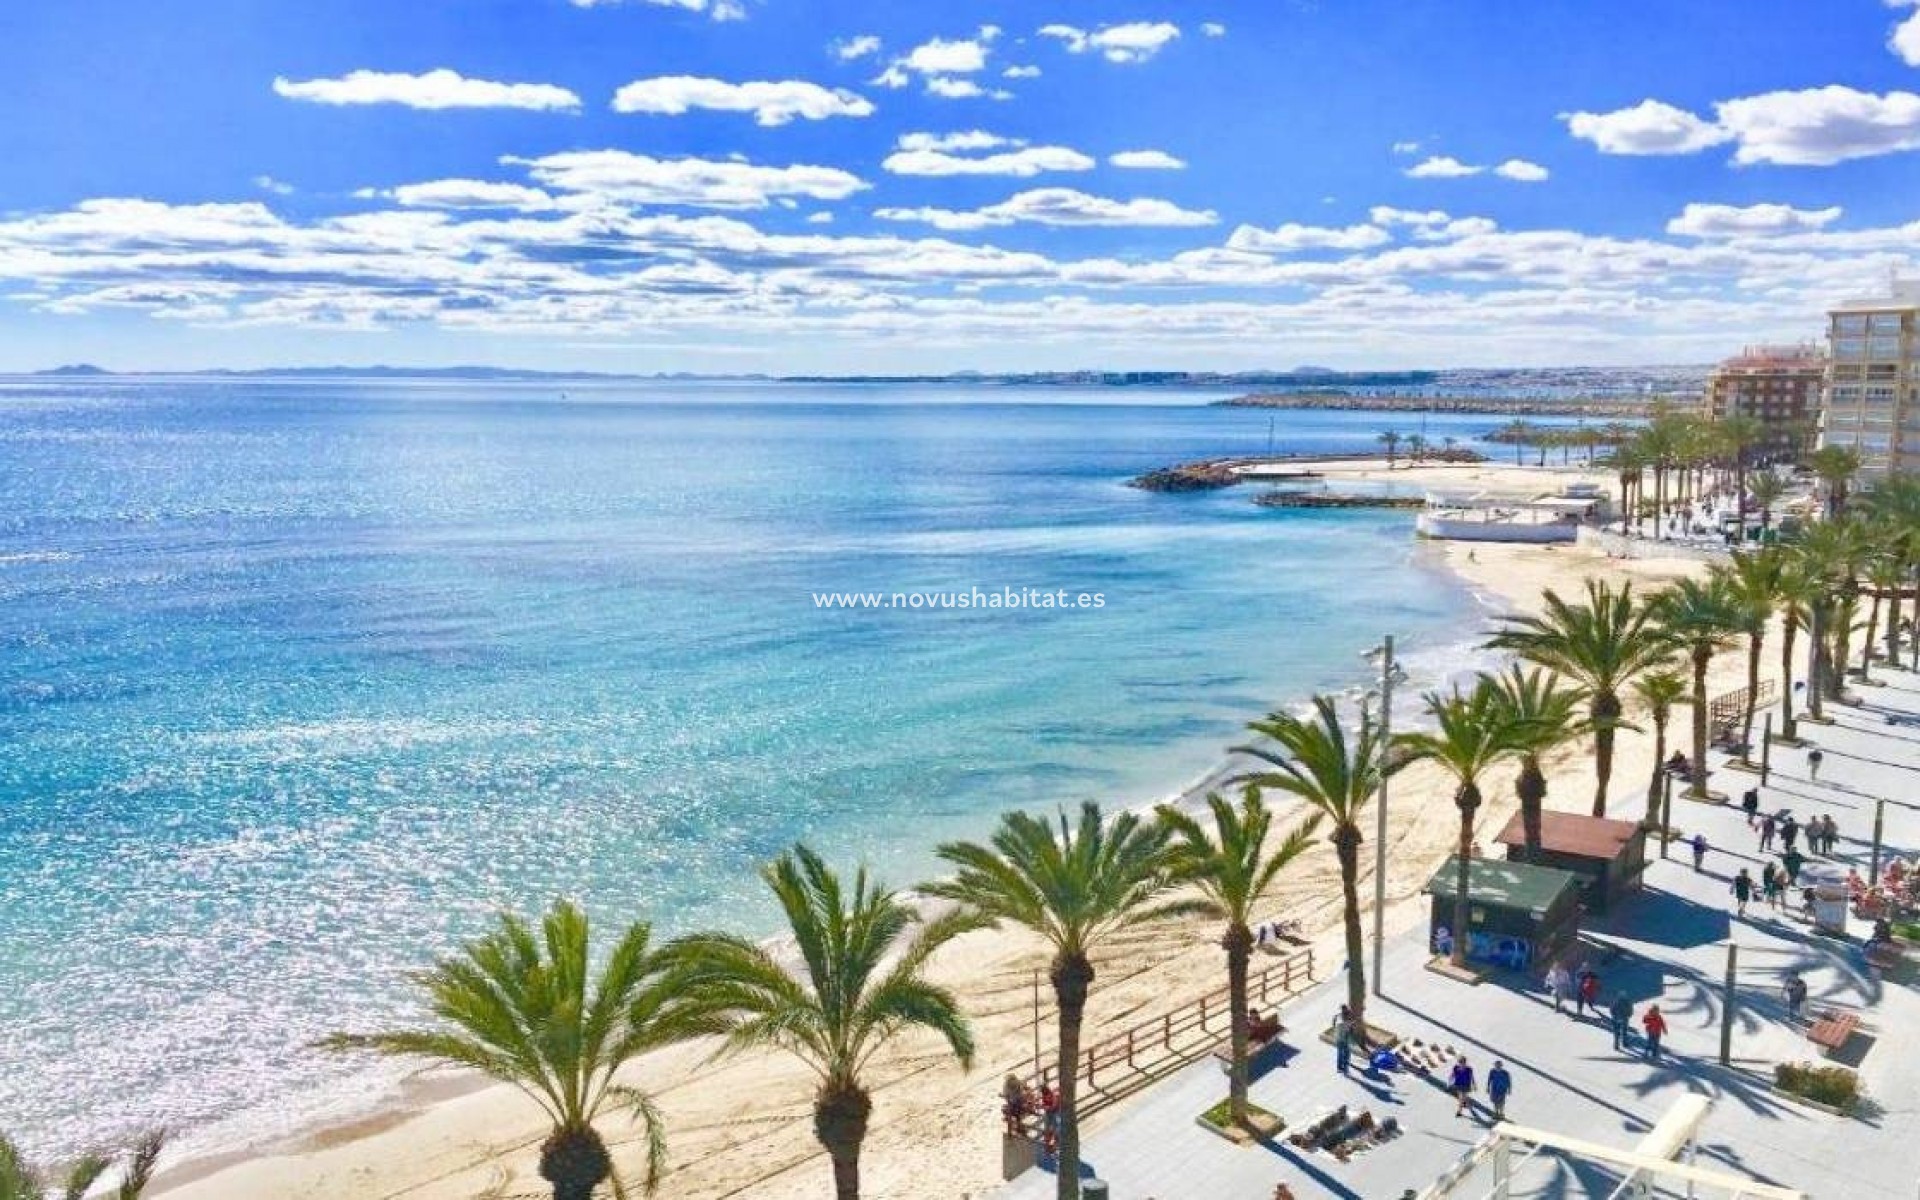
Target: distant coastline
point(1612, 407)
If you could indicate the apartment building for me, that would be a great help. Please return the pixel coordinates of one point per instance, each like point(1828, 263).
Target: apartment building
point(1778, 386)
point(1872, 401)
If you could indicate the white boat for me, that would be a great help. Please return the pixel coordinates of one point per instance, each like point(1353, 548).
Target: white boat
point(1483, 518)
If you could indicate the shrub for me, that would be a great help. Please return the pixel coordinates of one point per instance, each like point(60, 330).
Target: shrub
point(1835, 1087)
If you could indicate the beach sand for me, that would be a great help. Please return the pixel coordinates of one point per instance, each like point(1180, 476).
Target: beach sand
point(742, 1128)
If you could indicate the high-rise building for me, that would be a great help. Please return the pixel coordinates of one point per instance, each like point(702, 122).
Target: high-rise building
point(1778, 386)
point(1873, 380)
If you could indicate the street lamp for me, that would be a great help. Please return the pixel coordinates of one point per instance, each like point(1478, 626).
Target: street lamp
point(1390, 674)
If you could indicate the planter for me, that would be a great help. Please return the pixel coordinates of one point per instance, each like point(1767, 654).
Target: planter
point(1261, 1125)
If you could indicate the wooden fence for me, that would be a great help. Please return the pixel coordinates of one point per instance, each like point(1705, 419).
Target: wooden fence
point(1124, 1062)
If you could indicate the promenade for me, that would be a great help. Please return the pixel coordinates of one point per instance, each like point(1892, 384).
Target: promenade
point(1667, 945)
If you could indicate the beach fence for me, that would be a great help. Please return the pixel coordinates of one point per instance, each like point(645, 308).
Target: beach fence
point(1119, 1065)
point(1726, 712)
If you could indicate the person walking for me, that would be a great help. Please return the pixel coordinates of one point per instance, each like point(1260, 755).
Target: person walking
point(1589, 991)
point(1342, 1040)
point(1789, 832)
point(1750, 804)
point(1499, 1087)
point(1830, 835)
point(1742, 892)
point(1814, 758)
point(1791, 862)
point(1619, 1014)
point(1699, 851)
point(1460, 1086)
point(1773, 885)
point(1656, 1026)
point(1795, 991)
point(1559, 985)
point(1768, 826)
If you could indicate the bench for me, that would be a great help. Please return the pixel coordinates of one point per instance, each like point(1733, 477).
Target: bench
point(1832, 1030)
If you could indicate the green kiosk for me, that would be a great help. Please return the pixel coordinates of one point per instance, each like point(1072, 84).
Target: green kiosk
point(1517, 914)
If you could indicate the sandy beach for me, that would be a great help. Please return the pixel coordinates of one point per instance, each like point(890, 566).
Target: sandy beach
point(741, 1127)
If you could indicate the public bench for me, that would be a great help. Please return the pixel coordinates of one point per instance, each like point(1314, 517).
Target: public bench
point(1831, 1030)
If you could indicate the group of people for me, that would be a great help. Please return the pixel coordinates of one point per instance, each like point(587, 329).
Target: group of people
point(1460, 1085)
point(1581, 985)
point(1019, 1102)
point(1776, 878)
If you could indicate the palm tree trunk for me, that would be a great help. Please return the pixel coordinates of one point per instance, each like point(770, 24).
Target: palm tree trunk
point(1816, 662)
point(1842, 650)
point(1753, 696)
point(1893, 624)
point(1239, 943)
point(1654, 790)
point(1605, 710)
point(1072, 980)
point(1346, 849)
point(1531, 787)
point(1702, 656)
point(840, 1113)
point(575, 1161)
point(1786, 677)
point(1467, 799)
point(1873, 631)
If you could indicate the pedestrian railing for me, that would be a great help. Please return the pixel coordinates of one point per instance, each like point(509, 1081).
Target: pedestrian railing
point(1122, 1063)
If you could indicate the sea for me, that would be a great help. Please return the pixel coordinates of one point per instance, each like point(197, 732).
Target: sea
point(302, 681)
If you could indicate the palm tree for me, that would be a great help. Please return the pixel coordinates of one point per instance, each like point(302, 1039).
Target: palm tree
point(1754, 580)
point(1892, 507)
point(1829, 552)
point(1073, 887)
point(861, 979)
point(1336, 777)
point(1768, 489)
point(1233, 869)
point(1391, 441)
point(1543, 715)
point(522, 1006)
point(1836, 466)
point(18, 1181)
point(1600, 645)
point(1796, 592)
point(1737, 435)
point(1703, 618)
point(1660, 691)
point(1473, 732)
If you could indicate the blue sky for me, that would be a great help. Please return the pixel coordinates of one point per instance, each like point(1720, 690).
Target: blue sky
point(790, 185)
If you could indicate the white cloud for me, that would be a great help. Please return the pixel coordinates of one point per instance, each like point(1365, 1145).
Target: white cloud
point(1442, 166)
point(1021, 72)
point(1406, 147)
point(439, 89)
point(1818, 127)
point(627, 178)
point(892, 77)
point(719, 10)
point(1649, 127)
point(1522, 171)
point(1905, 39)
point(1057, 206)
point(469, 193)
point(820, 218)
point(1291, 237)
point(772, 104)
point(927, 155)
point(268, 183)
point(942, 57)
point(1213, 29)
point(1430, 225)
point(859, 46)
point(1754, 220)
point(1133, 42)
point(1146, 160)
point(950, 88)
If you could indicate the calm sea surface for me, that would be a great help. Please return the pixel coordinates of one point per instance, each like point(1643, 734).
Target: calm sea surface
point(299, 682)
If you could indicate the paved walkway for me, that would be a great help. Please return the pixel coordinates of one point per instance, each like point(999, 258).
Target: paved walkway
point(1669, 944)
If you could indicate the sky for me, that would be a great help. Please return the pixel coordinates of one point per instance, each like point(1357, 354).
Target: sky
point(880, 186)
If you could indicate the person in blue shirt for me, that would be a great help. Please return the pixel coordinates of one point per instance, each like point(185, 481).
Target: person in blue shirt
point(1460, 1083)
point(1499, 1087)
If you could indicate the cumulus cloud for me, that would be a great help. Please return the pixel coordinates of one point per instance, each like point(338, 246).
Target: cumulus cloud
point(628, 178)
point(1430, 225)
point(857, 47)
point(1818, 127)
point(719, 10)
point(1522, 171)
point(1442, 166)
point(1753, 220)
point(1905, 39)
point(1649, 127)
point(772, 104)
point(942, 57)
point(820, 218)
point(1133, 42)
point(970, 139)
point(1291, 237)
point(949, 88)
point(467, 193)
point(1146, 160)
point(1057, 206)
point(1025, 71)
point(438, 89)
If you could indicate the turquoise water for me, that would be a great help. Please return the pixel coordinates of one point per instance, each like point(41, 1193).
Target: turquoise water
point(299, 683)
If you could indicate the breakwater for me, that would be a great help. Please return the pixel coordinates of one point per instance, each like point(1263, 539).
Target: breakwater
point(1611, 408)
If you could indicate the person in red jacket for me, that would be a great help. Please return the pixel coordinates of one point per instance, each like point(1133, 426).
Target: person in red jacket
point(1656, 1027)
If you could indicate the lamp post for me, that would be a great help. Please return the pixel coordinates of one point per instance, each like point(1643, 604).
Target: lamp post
point(1390, 674)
